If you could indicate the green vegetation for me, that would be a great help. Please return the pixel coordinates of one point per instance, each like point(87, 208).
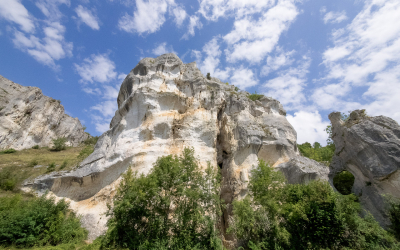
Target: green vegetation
point(236, 89)
point(59, 144)
point(394, 215)
point(7, 180)
point(85, 152)
point(276, 215)
point(33, 163)
point(316, 152)
point(176, 206)
point(64, 164)
point(51, 167)
point(8, 151)
point(91, 140)
point(255, 96)
point(208, 76)
point(36, 147)
point(37, 222)
point(343, 182)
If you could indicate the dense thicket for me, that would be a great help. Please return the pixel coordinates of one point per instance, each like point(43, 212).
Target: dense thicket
point(276, 215)
point(317, 152)
point(37, 222)
point(176, 206)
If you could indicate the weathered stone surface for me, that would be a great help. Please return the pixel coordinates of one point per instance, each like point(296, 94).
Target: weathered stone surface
point(163, 107)
point(368, 147)
point(301, 170)
point(29, 118)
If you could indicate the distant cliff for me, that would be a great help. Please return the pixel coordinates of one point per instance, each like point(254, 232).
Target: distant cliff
point(29, 118)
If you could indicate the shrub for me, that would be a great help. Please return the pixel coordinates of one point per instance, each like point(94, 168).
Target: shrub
point(236, 89)
point(64, 164)
point(8, 151)
point(176, 206)
point(7, 181)
point(51, 167)
point(59, 144)
point(394, 215)
point(37, 222)
point(276, 215)
point(208, 76)
point(343, 182)
point(36, 147)
point(85, 152)
point(33, 163)
point(91, 140)
point(316, 152)
point(255, 96)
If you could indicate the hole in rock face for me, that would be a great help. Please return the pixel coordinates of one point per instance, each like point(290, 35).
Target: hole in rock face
point(344, 182)
point(220, 165)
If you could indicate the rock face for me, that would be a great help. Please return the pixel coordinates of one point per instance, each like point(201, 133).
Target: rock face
point(301, 170)
point(368, 147)
point(29, 118)
point(163, 107)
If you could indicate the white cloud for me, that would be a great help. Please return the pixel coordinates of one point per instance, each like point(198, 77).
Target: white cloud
point(194, 22)
point(180, 15)
point(162, 48)
point(309, 127)
point(289, 85)
point(281, 59)
point(50, 8)
point(147, 18)
point(252, 40)
point(335, 17)
point(243, 78)
point(87, 17)
point(97, 68)
point(106, 108)
point(14, 11)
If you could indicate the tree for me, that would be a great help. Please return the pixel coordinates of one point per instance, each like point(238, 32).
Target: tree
point(59, 144)
point(176, 206)
point(208, 76)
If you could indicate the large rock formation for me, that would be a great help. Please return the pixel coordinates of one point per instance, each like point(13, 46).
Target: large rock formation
point(368, 147)
point(163, 107)
point(29, 118)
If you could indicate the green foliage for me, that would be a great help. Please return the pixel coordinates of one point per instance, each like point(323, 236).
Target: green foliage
point(328, 130)
point(59, 144)
point(227, 83)
point(33, 163)
point(176, 206)
point(394, 215)
point(276, 215)
point(8, 151)
point(7, 180)
point(91, 140)
point(316, 152)
point(51, 167)
point(343, 182)
point(236, 89)
point(255, 96)
point(208, 76)
point(85, 152)
point(36, 147)
point(37, 222)
point(64, 164)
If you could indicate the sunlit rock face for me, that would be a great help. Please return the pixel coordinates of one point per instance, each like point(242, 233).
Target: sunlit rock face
point(29, 118)
point(163, 107)
point(369, 148)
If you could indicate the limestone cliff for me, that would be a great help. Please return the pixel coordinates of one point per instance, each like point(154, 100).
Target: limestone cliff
point(163, 107)
point(29, 118)
point(368, 147)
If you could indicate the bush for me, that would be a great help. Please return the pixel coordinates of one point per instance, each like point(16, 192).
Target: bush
point(255, 96)
point(7, 181)
point(208, 76)
point(85, 152)
point(51, 167)
point(343, 182)
point(59, 144)
point(394, 215)
point(276, 215)
point(33, 163)
point(37, 222)
point(91, 140)
point(36, 147)
point(316, 152)
point(176, 206)
point(64, 164)
point(8, 151)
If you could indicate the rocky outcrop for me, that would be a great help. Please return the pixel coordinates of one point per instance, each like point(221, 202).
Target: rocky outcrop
point(368, 147)
point(29, 118)
point(163, 107)
point(301, 170)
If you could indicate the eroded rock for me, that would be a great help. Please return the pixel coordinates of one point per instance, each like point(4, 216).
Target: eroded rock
point(29, 118)
point(163, 107)
point(369, 148)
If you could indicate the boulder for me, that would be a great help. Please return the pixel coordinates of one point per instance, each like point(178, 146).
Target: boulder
point(29, 118)
point(369, 148)
point(164, 106)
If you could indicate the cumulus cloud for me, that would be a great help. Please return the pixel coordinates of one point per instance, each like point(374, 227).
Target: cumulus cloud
point(252, 39)
point(180, 15)
point(365, 55)
point(335, 17)
point(86, 16)
point(97, 68)
point(289, 85)
point(275, 62)
point(194, 22)
point(147, 18)
point(50, 8)
point(163, 48)
point(309, 127)
point(243, 78)
point(14, 11)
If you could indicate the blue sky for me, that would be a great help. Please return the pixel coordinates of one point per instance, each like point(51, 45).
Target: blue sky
point(314, 56)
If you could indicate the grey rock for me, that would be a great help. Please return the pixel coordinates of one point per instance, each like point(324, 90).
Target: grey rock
point(301, 170)
point(368, 147)
point(29, 118)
